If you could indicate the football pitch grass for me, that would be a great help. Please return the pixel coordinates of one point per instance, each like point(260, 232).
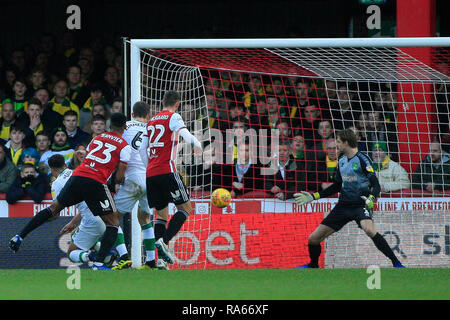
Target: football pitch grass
point(225, 284)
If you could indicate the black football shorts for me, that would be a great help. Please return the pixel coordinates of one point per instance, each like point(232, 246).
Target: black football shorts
point(340, 215)
point(166, 188)
point(96, 195)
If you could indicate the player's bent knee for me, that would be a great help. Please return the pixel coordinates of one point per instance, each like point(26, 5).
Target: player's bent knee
point(370, 232)
point(143, 217)
point(72, 247)
point(56, 208)
point(313, 239)
point(368, 228)
point(111, 219)
point(186, 207)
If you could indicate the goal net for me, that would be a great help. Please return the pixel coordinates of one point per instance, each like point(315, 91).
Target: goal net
point(267, 113)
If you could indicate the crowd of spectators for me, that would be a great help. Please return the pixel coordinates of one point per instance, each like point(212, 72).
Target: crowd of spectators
point(308, 112)
point(54, 98)
point(57, 96)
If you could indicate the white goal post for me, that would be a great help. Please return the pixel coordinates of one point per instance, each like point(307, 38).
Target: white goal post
point(339, 59)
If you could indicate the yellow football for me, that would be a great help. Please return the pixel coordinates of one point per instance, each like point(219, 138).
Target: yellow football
point(220, 198)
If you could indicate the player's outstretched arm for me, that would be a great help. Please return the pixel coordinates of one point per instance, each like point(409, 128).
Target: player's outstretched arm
point(192, 140)
point(305, 197)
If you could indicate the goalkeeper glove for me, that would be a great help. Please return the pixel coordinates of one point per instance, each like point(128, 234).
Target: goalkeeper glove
point(370, 201)
point(305, 197)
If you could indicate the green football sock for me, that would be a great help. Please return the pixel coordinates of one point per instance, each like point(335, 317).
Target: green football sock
point(148, 236)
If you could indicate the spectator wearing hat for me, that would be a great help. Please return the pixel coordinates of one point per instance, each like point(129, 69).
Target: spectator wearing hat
point(8, 171)
point(32, 156)
point(29, 155)
point(28, 182)
point(391, 175)
point(379, 130)
point(60, 145)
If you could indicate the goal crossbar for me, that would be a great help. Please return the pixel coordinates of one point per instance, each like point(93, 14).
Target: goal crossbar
point(292, 43)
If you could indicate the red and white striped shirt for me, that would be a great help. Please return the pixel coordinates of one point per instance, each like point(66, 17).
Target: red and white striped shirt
point(104, 153)
point(162, 134)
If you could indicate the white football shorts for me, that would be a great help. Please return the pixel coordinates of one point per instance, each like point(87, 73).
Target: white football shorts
point(89, 232)
point(134, 189)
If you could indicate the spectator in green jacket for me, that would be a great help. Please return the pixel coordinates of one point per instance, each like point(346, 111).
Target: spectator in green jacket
point(433, 173)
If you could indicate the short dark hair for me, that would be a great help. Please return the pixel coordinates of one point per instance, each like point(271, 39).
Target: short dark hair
point(61, 80)
point(349, 136)
point(43, 133)
point(73, 66)
point(96, 87)
point(118, 99)
point(118, 120)
point(285, 143)
point(56, 161)
point(36, 70)
point(243, 120)
point(42, 88)
point(98, 117)
point(141, 109)
point(21, 80)
point(18, 127)
point(70, 113)
point(170, 98)
point(35, 101)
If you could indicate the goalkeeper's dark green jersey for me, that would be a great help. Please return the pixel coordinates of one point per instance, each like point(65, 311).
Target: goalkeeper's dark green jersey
point(354, 177)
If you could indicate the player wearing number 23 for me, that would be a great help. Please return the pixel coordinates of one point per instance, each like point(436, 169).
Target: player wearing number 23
point(106, 152)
